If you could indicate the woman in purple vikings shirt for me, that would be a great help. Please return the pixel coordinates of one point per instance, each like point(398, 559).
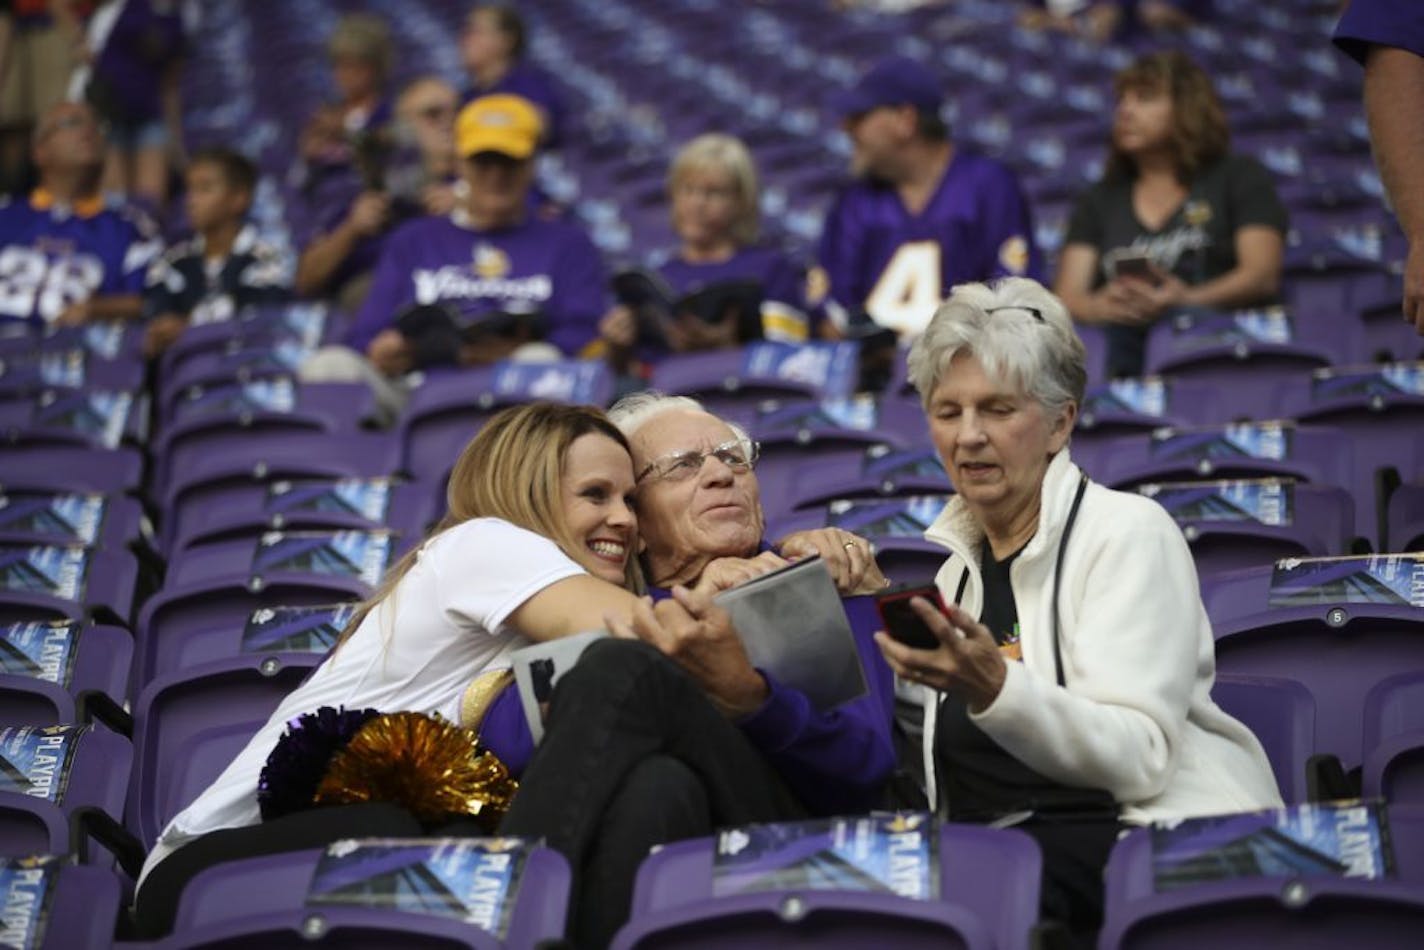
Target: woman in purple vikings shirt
point(713, 197)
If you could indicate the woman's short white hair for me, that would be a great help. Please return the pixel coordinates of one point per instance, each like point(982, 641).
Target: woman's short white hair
point(1019, 332)
point(634, 411)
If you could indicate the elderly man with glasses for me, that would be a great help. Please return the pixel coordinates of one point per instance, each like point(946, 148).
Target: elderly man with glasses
point(668, 731)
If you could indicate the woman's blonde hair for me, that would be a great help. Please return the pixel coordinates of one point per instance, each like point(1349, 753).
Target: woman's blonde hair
point(724, 153)
point(512, 469)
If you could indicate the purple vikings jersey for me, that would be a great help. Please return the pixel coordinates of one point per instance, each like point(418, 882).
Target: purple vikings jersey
point(1380, 22)
point(783, 285)
point(52, 255)
point(545, 267)
point(899, 266)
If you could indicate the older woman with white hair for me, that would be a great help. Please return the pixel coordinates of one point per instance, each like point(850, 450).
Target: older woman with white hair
point(1070, 691)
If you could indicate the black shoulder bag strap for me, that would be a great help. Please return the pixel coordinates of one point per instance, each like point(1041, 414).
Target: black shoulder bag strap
point(1058, 575)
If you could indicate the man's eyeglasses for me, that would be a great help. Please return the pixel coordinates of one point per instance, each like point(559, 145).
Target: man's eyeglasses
point(1037, 313)
point(737, 455)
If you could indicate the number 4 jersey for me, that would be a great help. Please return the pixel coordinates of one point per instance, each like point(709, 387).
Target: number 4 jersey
point(899, 266)
point(53, 255)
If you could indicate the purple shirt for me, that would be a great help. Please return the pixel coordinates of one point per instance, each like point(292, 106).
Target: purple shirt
point(835, 762)
point(546, 267)
point(1367, 23)
point(527, 80)
point(144, 39)
point(54, 255)
point(899, 266)
point(783, 285)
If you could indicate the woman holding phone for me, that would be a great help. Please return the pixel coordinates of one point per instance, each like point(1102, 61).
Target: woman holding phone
point(1176, 221)
point(1068, 690)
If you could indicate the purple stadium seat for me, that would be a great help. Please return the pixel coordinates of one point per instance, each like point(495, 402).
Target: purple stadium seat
point(70, 468)
point(75, 369)
point(737, 380)
point(1405, 530)
point(1394, 739)
point(321, 408)
point(98, 659)
point(310, 504)
point(82, 418)
point(189, 725)
point(98, 777)
point(881, 472)
point(212, 481)
point(447, 410)
point(260, 901)
point(1312, 913)
point(989, 884)
point(1338, 650)
point(1281, 712)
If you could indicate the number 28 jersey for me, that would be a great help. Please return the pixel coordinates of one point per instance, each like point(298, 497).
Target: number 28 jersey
point(54, 255)
point(899, 266)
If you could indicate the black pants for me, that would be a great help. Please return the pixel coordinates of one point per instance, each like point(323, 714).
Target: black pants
point(157, 901)
point(635, 755)
point(1075, 852)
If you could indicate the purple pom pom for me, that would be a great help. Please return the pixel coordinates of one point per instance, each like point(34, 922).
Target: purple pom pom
point(298, 761)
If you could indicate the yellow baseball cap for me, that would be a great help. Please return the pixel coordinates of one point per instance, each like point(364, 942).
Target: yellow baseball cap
point(509, 125)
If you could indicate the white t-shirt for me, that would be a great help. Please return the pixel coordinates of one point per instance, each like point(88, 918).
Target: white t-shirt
point(443, 625)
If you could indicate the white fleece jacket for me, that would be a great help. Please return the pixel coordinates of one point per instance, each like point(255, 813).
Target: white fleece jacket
point(1136, 717)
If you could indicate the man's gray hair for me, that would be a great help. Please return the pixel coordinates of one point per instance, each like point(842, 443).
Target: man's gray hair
point(1019, 332)
point(636, 410)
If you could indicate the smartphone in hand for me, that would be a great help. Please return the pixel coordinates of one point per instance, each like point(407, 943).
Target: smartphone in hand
point(1137, 266)
point(901, 621)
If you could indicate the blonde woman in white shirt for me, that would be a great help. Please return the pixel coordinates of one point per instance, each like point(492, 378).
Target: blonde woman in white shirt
point(540, 541)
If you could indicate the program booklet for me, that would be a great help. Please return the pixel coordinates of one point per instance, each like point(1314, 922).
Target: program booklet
point(1338, 839)
point(60, 518)
point(793, 625)
point(1391, 579)
point(538, 668)
point(887, 854)
point(26, 887)
point(791, 622)
point(295, 629)
point(471, 879)
point(35, 760)
point(42, 650)
point(1266, 501)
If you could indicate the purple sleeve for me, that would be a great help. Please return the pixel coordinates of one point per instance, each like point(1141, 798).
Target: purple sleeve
point(840, 253)
point(1367, 23)
point(579, 299)
point(505, 731)
point(1009, 244)
point(786, 282)
point(837, 761)
point(390, 290)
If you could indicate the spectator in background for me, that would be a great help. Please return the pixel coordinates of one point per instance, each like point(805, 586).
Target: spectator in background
point(223, 267)
point(1104, 20)
point(714, 198)
point(38, 44)
point(67, 257)
point(1177, 221)
point(492, 281)
point(1388, 40)
point(135, 51)
point(493, 47)
point(424, 169)
point(925, 214)
point(341, 199)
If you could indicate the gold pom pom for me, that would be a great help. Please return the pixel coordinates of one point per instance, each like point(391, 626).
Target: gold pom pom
point(429, 766)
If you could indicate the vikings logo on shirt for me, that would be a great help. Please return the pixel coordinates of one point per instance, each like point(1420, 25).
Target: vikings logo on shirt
point(490, 261)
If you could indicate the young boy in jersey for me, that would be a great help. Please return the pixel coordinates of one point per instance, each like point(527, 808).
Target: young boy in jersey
point(223, 267)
